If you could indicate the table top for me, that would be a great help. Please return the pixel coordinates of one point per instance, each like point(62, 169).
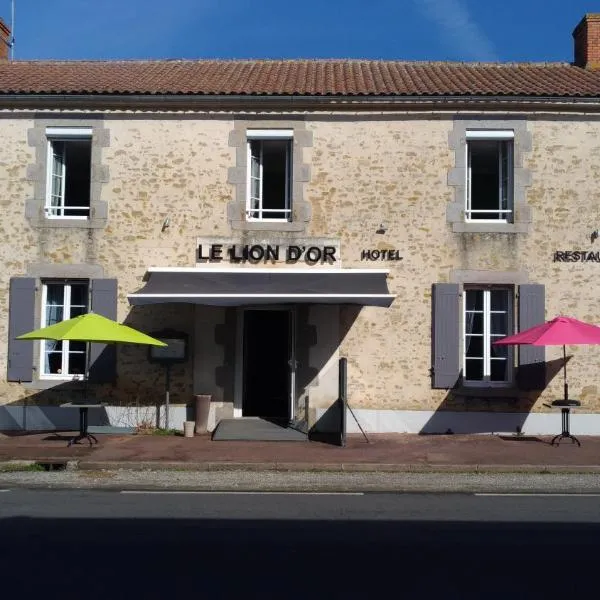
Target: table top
point(83, 405)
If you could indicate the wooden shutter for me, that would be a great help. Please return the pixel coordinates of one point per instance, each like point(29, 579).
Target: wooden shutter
point(445, 335)
point(532, 359)
point(21, 319)
point(103, 357)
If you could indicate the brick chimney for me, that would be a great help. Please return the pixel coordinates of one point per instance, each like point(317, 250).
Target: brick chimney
point(4, 40)
point(587, 42)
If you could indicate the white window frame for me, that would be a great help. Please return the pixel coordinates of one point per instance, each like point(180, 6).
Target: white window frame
point(65, 375)
point(506, 178)
point(488, 337)
point(254, 204)
point(62, 134)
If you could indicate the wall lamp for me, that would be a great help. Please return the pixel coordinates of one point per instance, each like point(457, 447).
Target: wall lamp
point(594, 235)
point(166, 223)
point(382, 229)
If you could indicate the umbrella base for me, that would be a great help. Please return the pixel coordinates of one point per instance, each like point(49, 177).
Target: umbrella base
point(78, 439)
point(562, 436)
point(566, 433)
point(83, 425)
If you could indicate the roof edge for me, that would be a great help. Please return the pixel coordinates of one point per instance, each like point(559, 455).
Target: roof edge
point(231, 101)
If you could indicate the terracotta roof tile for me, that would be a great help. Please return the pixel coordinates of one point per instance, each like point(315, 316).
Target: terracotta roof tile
point(297, 77)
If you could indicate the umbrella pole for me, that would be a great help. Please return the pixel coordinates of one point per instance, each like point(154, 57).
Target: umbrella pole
point(565, 372)
point(167, 393)
point(87, 371)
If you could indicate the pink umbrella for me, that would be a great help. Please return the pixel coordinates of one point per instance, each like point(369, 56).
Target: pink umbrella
point(561, 331)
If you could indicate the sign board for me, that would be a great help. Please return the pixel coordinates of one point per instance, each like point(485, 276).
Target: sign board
point(175, 350)
point(309, 252)
point(576, 256)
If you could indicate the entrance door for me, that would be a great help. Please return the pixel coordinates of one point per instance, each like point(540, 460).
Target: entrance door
point(267, 377)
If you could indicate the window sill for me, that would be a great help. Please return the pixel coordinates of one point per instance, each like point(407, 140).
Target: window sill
point(275, 226)
point(268, 221)
point(63, 379)
point(62, 385)
point(474, 227)
point(509, 392)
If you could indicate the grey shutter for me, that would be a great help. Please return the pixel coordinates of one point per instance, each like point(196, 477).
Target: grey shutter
point(532, 359)
point(445, 335)
point(103, 357)
point(21, 319)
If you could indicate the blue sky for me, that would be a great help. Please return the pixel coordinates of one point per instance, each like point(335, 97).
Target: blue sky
point(464, 30)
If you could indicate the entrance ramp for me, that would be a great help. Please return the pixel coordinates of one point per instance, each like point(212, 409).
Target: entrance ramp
point(257, 429)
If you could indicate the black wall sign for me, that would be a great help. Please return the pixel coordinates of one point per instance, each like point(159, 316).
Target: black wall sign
point(258, 253)
point(380, 255)
point(576, 256)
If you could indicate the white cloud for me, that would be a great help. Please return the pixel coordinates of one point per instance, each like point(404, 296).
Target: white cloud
point(459, 28)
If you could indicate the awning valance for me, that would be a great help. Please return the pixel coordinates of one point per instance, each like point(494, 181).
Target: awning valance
point(251, 286)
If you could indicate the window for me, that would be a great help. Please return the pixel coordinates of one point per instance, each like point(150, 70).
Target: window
point(488, 316)
point(490, 169)
point(62, 301)
point(69, 172)
point(269, 190)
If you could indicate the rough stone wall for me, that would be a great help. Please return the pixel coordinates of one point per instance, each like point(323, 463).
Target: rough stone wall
point(19, 245)
point(367, 173)
point(565, 198)
point(393, 173)
point(173, 168)
point(158, 168)
point(364, 172)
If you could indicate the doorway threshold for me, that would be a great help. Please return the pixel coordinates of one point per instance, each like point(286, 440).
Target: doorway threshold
point(257, 429)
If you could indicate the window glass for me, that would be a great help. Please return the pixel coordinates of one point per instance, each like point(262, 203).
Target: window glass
point(489, 185)
point(474, 299)
point(275, 177)
point(69, 178)
point(269, 193)
point(487, 318)
point(62, 301)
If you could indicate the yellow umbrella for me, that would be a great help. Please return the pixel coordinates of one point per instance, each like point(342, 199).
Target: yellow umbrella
point(92, 328)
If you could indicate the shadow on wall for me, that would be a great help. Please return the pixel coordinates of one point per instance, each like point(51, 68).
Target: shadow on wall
point(315, 348)
point(328, 429)
point(142, 382)
point(505, 411)
point(328, 424)
point(45, 410)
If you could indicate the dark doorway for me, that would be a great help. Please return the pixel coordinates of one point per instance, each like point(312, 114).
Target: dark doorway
point(266, 364)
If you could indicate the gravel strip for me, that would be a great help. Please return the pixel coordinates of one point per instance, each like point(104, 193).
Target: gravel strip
point(304, 481)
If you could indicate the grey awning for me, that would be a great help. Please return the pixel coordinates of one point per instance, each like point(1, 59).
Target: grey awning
point(248, 286)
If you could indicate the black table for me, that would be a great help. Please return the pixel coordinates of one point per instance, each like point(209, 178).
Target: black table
point(565, 409)
point(83, 421)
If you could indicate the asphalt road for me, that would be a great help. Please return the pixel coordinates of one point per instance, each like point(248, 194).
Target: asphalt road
point(96, 544)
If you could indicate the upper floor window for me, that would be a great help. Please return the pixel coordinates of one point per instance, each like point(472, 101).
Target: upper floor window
point(69, 172)
point(488, 317)
point(490, 170)
point(269, 183)
point(61, 301)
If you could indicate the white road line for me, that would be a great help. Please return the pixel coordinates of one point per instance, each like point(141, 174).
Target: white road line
point(541, 495)
point(214, 493)
point(4, 490)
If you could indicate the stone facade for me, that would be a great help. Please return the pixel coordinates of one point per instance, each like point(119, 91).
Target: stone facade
point(361, 170)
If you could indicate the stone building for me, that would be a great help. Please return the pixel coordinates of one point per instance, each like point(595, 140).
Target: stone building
point(276, 216)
